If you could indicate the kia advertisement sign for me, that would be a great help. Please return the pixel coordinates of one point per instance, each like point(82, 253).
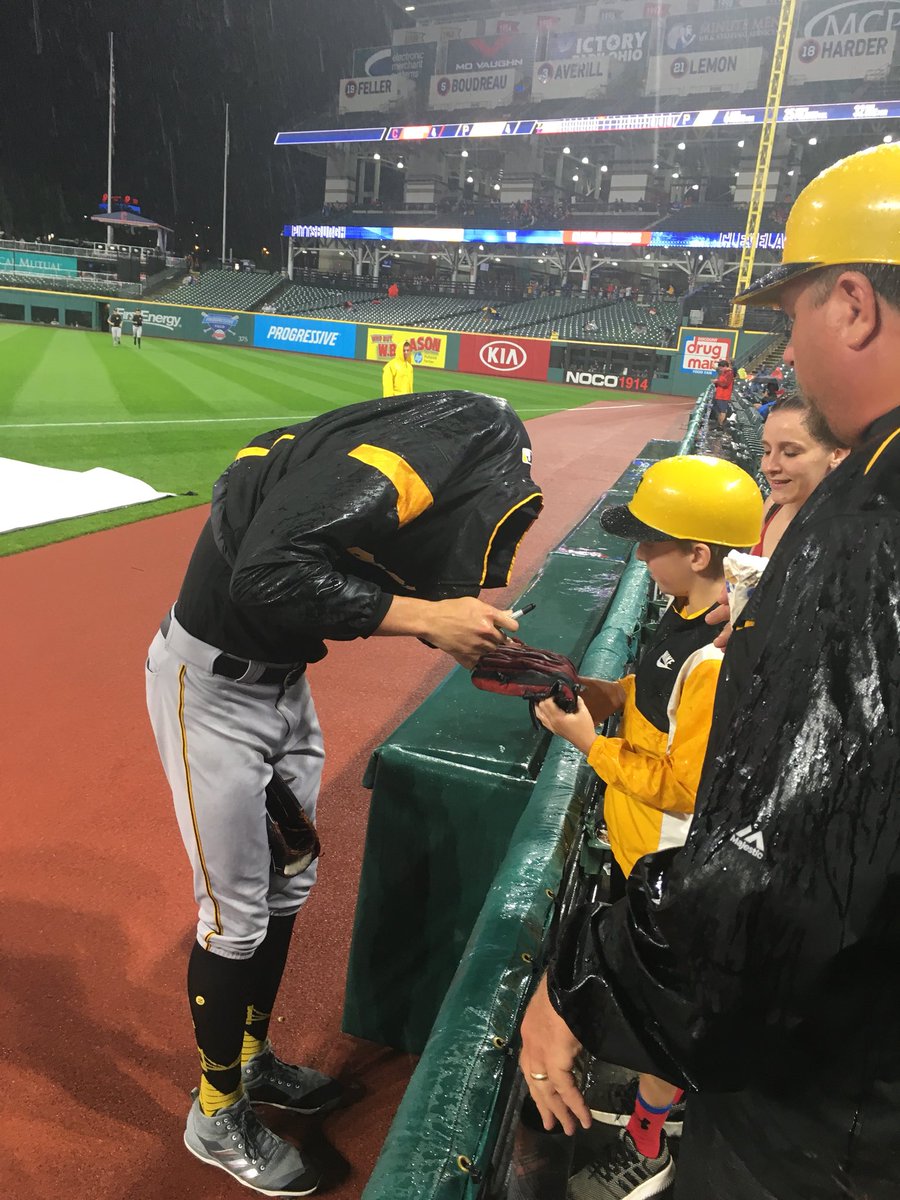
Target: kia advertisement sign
point(520, 358)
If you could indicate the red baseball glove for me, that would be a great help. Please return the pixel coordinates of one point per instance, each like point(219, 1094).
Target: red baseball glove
point(515, 669)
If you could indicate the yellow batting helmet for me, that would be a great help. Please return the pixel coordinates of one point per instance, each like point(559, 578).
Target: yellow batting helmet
point(848, 214)
point(693, 498)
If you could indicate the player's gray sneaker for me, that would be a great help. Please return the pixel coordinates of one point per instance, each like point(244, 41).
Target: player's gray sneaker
point(235, 1140)
point(623, 1174)
point(611, 1101)
point(268, 1080)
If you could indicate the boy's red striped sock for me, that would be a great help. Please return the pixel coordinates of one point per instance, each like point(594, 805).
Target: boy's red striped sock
point(645, 1126)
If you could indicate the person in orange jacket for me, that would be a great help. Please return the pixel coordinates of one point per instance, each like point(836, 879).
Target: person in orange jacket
point(397, 376)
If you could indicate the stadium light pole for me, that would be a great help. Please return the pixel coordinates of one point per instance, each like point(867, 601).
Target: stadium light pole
point(109, 150)
point(225, 183)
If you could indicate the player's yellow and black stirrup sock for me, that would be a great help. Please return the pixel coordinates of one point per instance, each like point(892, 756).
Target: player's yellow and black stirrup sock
point(268, 968)
point(218, 990)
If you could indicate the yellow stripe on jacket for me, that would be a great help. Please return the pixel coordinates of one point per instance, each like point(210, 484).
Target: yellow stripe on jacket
point(652, 776)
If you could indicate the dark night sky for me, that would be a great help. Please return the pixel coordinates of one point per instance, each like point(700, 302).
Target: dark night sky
point(177, 61)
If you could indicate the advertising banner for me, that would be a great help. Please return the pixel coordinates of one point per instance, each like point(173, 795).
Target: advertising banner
point(372, 61)
point(415, 62)
point(362, 94)
point(702, 349)
point(498, 53)
point(335, 339)
point(60, 266)
point(558, 77)
point(517, 357)
point(429, 349)
point(720, 30)
point(847, 18)
point(863, 57)
point(639, 382)
point(472, 89)
point(687, 74)
point(624, 41)
point(189, 324)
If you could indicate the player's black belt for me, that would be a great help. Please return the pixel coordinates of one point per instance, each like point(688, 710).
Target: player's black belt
point(231, 667)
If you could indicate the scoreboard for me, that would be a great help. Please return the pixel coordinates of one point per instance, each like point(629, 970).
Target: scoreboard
point(690, 119)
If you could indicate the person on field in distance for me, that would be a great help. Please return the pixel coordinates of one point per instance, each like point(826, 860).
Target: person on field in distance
point(756, 963)
point(397, 376)
point(799, 450)
point(382, 519)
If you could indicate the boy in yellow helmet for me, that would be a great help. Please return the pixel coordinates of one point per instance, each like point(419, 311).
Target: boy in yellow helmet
point(686, 514)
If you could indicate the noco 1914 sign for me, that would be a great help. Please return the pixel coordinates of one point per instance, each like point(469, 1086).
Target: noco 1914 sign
point(519, 357)
point(601, 379)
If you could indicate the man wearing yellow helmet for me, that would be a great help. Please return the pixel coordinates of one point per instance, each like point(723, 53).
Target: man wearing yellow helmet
point(756, 963)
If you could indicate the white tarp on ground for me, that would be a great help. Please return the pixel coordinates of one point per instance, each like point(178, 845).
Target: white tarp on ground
point(32, 495)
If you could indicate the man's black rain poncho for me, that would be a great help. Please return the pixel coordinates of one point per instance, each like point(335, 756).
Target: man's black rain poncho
point(315, 526)
point(759, 964)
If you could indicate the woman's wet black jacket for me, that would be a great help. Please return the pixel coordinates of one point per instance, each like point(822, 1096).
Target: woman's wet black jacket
point(314, 526)
point(761, 960)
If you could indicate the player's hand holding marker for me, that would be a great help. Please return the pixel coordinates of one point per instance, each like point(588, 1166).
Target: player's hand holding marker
point(464, 627)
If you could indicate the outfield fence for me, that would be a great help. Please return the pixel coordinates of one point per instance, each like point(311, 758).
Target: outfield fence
point(596, 366)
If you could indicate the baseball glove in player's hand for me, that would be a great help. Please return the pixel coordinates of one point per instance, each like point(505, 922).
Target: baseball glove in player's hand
point(515, 669)
point(293, 840)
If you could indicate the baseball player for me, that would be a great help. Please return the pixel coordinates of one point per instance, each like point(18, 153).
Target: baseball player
point(137, 326)
point(384, 518)
point(397, 376)
point(114, 321)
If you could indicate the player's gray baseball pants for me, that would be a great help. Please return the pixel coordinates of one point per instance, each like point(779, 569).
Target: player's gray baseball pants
point(219, 741)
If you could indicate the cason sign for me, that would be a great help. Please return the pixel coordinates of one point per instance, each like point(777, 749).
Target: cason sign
point(472, 89)
point(428, 349)
point(335, 339)
point(600, 379)
point(704, 349)
point(516, 357)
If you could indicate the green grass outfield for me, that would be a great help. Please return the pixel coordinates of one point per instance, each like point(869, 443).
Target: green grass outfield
point(174, 413)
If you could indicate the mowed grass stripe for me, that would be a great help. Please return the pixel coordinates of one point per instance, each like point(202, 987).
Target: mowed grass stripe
point(131, 410)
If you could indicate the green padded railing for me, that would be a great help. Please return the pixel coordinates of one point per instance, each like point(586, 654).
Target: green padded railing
point(442, 1140)
point(448, 789)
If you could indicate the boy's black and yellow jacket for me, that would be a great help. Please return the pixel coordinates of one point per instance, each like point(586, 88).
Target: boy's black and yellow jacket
point(652, 768)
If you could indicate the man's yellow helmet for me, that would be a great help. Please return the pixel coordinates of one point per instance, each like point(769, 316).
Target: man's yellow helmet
point(693, 498)
point(850, 213)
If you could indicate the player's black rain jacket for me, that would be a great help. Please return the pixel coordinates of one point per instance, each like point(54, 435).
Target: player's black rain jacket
point(315, 526)
point(762, 960)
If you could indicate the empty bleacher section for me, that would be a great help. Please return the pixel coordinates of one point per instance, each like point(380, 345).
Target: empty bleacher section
point(226, 289)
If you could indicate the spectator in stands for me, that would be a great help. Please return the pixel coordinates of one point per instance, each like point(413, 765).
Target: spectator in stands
point(397, 376)
point(752, 962)
point(770, 397)
point(590, 326)
point(348, 303)
point(393, 291)
point(724, 385)
point(686, 514)
point(799, 451)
